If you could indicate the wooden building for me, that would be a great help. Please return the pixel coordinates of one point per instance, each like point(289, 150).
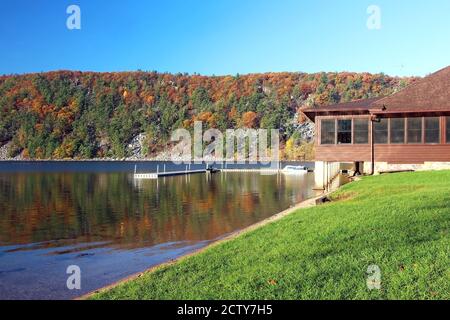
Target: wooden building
point(407, 130)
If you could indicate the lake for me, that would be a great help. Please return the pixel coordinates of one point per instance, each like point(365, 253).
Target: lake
point(96, 216)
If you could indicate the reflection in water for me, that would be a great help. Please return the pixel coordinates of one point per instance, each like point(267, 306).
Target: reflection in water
point(118, 226)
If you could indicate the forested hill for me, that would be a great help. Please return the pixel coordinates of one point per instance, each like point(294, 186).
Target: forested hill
point(68, 114)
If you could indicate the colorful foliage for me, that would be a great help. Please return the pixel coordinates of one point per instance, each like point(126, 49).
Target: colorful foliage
point(84, 115)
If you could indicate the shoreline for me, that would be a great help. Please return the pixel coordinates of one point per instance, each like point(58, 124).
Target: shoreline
point(314, 201)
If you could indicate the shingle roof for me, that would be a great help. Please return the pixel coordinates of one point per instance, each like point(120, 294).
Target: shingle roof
point(353, 107)
point(430, 94)
point(357, 104)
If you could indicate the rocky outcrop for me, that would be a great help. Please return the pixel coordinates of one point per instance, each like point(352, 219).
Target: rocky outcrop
point(306, 131)
point(136, 146)
point(4, 151)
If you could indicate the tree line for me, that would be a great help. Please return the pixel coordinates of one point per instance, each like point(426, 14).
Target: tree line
point(84, 115)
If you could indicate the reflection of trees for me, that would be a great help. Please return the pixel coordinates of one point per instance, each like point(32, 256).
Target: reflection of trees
point(99, 207)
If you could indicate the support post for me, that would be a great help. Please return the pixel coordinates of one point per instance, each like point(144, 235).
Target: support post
point(372, 145)
point(319, 175)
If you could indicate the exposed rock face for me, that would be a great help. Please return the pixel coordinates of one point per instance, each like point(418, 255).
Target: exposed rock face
point(307, 131)
point(135, 147)
point(4, 151)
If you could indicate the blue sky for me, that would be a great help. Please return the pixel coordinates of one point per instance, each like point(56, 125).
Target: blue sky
point(225, 36)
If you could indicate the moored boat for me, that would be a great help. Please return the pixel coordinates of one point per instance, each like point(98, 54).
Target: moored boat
point(295, 170)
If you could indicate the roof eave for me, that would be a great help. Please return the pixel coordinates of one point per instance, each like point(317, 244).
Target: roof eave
point(311, 115)
point(403, 111)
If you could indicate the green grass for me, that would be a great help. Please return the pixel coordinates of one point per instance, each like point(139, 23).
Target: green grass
point(399, 222)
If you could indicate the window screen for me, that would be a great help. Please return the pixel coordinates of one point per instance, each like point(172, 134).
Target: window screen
point(397, 130)
point(381, 131)
point(432, 130)
point(414, 130)
point(328, 132)
point(448, 129)
point(344, 132)
point(361, 131)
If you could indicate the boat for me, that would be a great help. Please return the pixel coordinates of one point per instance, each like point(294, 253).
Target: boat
point(295, 170)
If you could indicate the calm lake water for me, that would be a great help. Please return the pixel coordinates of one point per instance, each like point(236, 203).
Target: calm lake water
point(94, 215)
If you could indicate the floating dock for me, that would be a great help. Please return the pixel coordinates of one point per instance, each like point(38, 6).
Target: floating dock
point(266, 170)
point(157, 174)
point(144, 176)
point(250, 170)
point(164, 173)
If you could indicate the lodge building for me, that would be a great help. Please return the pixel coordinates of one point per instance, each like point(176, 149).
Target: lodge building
point(409, 130)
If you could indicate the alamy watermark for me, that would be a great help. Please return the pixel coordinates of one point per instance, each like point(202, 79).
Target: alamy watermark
point(234, 146)
point(374, 20)
point(74, 280)
point(73, 22)
point(373, 277)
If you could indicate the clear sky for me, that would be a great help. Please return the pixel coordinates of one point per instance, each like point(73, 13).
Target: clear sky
point(225, 36)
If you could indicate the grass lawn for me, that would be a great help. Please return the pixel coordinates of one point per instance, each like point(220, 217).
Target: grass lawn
point(399, 222)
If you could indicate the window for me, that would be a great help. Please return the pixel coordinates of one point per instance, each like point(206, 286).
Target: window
point(414, 130)
point(432, 130)
point(328, 132)
point(344, 135)
point(381, 131)
point(448, 130)
point(361, 131)
point(397, 130)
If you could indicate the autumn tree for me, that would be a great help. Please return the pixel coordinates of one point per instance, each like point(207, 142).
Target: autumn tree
point(249, 119)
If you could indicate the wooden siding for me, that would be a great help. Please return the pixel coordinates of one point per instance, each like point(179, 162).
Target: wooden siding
point(410, 154)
